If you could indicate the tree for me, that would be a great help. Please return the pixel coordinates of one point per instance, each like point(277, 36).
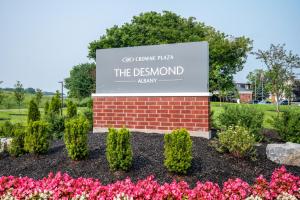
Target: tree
point(258, 82)
point(82, 80)
point(38, 96)
point(33, 112)
point(19, 93)
point(226, 54)
point(1, 94)
point(279, 63)
point(30, 90)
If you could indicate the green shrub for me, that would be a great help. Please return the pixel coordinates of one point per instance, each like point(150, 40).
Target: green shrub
point(89, 115)
point(56, 125)
point(37, 137)
point(178, 151)
point(46, 108)
point(243, 115)
point(33, 112)
point(118, 149)
point(238, 141)
point(6, 130)
point(76, 132)
point(287, 125)
point(71, 109)
point(55, 104)
point(16, 147)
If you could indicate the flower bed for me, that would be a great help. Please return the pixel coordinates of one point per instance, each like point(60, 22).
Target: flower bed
point(283, 185)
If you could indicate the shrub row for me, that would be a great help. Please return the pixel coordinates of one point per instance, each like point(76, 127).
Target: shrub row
point(282, 185)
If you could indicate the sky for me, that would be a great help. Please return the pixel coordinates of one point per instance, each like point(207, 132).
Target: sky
point(40, 41)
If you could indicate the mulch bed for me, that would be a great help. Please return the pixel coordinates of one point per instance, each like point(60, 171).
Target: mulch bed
point(207, 165)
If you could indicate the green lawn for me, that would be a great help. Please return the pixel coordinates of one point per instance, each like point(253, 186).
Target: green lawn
point(20, 116)
point(269, 110)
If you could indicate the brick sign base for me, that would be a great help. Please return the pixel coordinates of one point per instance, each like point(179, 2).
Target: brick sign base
point(153, 114)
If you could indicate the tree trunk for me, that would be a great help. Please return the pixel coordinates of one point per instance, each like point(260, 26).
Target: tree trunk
point(277, 103)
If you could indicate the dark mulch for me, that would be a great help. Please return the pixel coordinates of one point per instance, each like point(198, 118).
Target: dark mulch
point(148, 159)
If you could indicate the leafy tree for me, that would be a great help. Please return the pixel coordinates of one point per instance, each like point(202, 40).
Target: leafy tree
point(82, 80)
point(30, 90)
point(1, 94)
point(55, 104)
point(258, 83)
point(38, 96)
point(33, 112)
point(19, 93)
point(279, 74)
point(226, 54)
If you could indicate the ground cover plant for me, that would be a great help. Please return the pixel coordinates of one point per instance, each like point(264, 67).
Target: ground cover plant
point(282, 185)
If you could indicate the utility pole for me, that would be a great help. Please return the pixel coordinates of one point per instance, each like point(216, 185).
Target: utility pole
point(62, 97)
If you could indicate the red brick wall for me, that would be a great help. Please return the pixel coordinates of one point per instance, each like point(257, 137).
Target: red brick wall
point(152, 113)
point(245, 98)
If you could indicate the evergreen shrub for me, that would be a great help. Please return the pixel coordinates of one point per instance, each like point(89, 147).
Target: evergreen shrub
point(71, 109)
point(118, 149)
point(56, 125)
point(75, 138)
point(37, 137)
point(6, 130)
point(287, 125)
point(33, 112)
point(243, 115)
point(46, 108)
point(178, 151)
point(16, 147)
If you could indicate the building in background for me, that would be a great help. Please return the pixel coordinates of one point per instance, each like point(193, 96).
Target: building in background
point(245, 92)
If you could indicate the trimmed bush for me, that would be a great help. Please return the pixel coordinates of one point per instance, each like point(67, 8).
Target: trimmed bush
point(75, 137)
point(33, 112)
point(237, 141)
point(178, 151)
point(287, 125)
point(118, 149)
point(71, 109)
point(243, 115)
point(37, 137)
point(16, 147)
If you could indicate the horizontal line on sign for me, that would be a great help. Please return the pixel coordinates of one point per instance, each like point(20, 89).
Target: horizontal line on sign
point(170, 80)
point(175, 94)
point(125, 81)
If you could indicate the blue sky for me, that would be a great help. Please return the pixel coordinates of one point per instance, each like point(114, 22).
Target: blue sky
point(40, 41)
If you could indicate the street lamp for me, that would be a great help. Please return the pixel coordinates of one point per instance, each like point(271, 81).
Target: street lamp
point(62, 97)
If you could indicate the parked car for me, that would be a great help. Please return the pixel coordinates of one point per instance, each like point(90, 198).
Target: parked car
point(265, 102)
point(253, 102)
point(284, 102)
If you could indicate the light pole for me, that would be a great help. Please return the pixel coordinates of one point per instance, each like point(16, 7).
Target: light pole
point(62, 97)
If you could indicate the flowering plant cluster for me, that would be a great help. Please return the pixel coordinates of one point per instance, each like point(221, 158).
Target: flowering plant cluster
point(283, 185)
